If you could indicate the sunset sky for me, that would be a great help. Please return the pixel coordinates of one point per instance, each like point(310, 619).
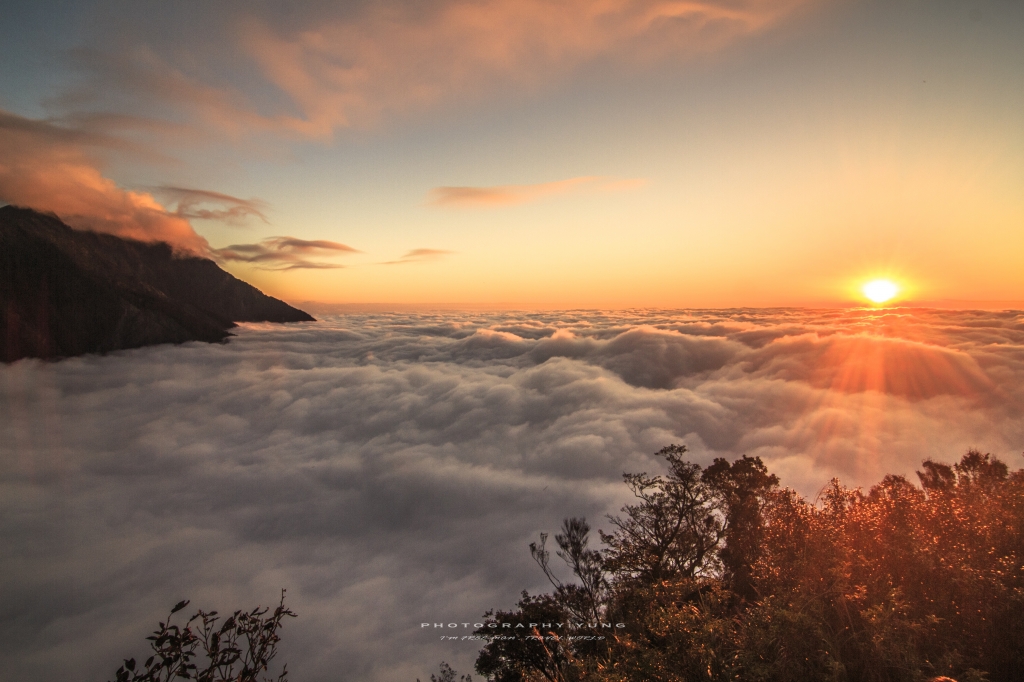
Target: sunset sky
point(568, 153)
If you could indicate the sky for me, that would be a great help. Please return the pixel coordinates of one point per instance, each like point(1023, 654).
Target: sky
point(390, 469)
point(536, 154)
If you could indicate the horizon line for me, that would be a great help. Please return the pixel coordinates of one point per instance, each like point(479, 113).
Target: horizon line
point(397, 306)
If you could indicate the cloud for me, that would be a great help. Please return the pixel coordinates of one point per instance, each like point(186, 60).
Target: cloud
point(190, 204)
point(160, 97)
point(419, 256)
point(285, 253)
point(321, 68)
point(49, 168)
point(31, 130)
point(393, 57)
point(503, 195)
point(389, 469)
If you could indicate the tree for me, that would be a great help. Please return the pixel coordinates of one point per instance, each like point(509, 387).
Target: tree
point(448, 675)
point(720, 574)
point(658, 567)
point(240, 650)
point(584, 601)
point(538, 654)
point(675, 529)
point(743, 488)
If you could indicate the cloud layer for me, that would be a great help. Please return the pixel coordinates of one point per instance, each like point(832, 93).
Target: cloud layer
point(389, 469)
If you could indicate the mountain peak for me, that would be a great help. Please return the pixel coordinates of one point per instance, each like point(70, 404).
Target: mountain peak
point(67, 292)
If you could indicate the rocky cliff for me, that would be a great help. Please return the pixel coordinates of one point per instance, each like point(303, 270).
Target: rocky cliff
point(67, 292)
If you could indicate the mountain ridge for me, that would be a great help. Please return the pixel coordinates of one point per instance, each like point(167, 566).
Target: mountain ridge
point(66, 292)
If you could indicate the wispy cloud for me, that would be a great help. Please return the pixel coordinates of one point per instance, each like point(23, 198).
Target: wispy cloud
point(331, 68)
point(504, 195)
point(153, 93)
point(194, 204)
point(54, 133)
point(394, 57)
point(286, 253)
point(419, 256)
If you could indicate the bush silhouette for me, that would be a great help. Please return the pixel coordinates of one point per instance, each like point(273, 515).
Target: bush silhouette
point(239, 650)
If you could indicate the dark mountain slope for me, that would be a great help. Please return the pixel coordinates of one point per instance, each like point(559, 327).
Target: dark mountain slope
point(66, 292)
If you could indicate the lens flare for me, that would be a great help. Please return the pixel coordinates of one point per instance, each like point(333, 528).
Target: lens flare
point(880, 290)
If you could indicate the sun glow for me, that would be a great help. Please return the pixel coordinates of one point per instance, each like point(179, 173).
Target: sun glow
point(880, 290)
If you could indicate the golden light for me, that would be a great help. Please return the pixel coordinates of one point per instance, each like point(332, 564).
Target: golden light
point(880, 290)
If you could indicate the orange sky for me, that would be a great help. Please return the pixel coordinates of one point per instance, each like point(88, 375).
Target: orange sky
point(537, 153)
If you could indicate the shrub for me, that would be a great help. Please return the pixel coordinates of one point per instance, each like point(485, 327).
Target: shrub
point(239, 650)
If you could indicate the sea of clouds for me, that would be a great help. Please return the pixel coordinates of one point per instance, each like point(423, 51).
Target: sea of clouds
point(390, 469)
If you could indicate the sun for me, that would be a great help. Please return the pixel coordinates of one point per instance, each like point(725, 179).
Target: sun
point(880, 290)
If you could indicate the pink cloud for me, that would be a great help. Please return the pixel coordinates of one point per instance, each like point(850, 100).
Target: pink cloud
point(54, 168)
point(46, 167)
point(419, 256)
point(503, 195)
point(392, 58)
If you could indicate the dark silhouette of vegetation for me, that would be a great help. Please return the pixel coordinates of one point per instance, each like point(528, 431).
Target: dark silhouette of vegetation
point(719, 573)
point(448, 675)
point(240, 650)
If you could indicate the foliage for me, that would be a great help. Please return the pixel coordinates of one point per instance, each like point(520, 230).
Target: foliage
point(672, 532)
point(448, 675)
point(719, 573)
point(535, 655)
point(237, 651)
point(583, 601)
